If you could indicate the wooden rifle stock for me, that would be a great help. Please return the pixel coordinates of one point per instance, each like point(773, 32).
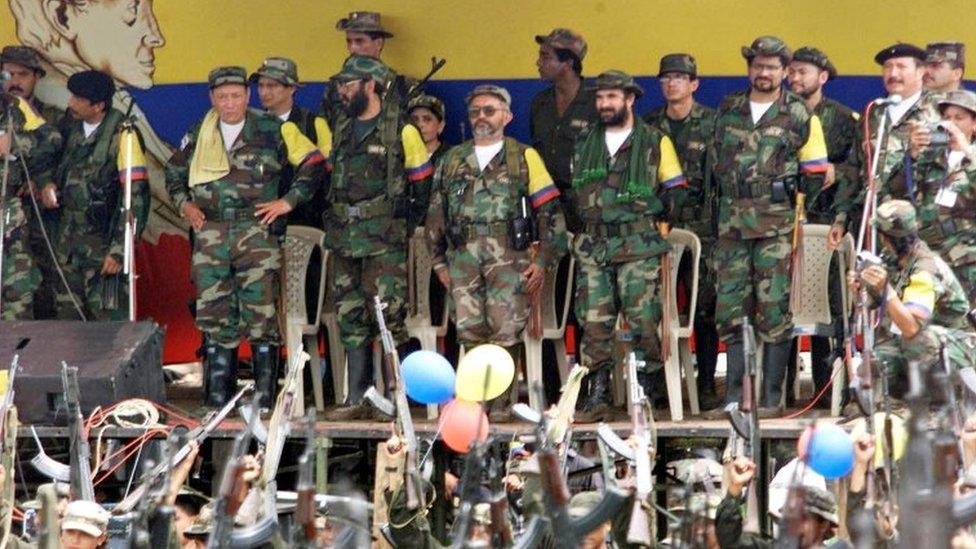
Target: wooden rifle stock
point(796, 259)
point(666, 295)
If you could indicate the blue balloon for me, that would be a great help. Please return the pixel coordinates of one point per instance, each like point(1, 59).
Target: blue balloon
point(831, 452)
point(428, 377)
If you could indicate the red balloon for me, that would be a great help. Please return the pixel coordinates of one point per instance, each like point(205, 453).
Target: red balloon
point(803, 443)
point(460, 423)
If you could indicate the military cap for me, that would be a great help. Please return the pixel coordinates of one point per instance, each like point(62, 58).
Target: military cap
point(23, 56)
point(961, 98)
point(85, 516)
point(583, 502)
point(92, 85)
point(361, 67)
point(896, 218)
point(817, 58)
point(678, 62)
point(490, 89)
point(429, 102)
point(280, 69)
point(899, 50)
point(564, 39)
point(227, 75)
point(820, 502)
point(768, 45)
point(363, 21)
point(615, 79)
point(953, 53)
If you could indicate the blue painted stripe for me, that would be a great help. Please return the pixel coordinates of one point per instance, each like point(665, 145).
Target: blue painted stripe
point(676, 181)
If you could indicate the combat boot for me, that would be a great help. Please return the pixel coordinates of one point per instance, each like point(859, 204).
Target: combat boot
point(735, 370)
point(266, 365)
point(775, 361)
point(359, 374)
point(596, 406)
point(219, 375)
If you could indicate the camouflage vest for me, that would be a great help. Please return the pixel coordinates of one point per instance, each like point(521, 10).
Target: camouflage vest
point(372, 169)
point(467, 200)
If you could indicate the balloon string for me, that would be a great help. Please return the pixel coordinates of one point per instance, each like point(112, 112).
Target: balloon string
point(430, 447)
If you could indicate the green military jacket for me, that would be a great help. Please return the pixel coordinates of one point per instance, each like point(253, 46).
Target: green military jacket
point(758, 167)
point(691, 145)
point(840, 127)
point(555, 136)
point(90, 181)
point(258, 159)
point(927, 285)
point(471, 200)
point(38, 144)
point(945, 200)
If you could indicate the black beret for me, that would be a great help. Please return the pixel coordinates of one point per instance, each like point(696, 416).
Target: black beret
point(899, 50)
point(94, 86)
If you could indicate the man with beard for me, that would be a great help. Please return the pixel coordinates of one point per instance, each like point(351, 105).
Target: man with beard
point(626, 176)
point(225, 178)
point(88, 188)
point(380, 168)
point(493, 194)
point(945, 64)
point(690, 126)
point(902, 72)
point(809, 70)
point(25, 70)
point(767, 148)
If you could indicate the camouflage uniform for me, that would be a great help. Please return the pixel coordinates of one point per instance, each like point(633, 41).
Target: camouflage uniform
point(90, 180)
point(697, 214)
point(618, 252)
point(236, 259)
point(946, 198)
point(929, 289)
point(817, 502)
point(758, 169)
point(37, 143)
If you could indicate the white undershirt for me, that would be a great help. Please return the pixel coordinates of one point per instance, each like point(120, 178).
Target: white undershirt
point(284, 117)
point(486, 152)
point(230, 133)
point(758, 110)
point(955, 159)
point(898, 110)
point(89, 128)
point(615, 139)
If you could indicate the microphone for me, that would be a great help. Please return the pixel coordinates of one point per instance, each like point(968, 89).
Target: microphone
point(893, 99)
point(4, 77)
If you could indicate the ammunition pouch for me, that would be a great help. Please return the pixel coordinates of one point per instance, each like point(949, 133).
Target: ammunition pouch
point(521, 233)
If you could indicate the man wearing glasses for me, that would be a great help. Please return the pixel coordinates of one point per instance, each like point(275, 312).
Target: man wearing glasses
point(494, 226)
point(690, 126)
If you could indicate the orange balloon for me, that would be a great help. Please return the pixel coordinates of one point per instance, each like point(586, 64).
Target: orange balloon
point(460, 423)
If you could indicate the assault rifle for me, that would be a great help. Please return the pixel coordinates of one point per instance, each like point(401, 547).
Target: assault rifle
point(81, 480)
point(744, 418)
point(153, 517)
point(304, 534)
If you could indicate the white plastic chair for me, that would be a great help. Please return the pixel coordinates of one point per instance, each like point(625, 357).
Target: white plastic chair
point(300, 243)
point(680, 360)
point(419, 322)
point(553, 328)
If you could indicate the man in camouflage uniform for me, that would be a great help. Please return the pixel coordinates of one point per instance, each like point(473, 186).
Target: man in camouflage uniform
point(89, 188)
point(902, 72)
point(27, 139)
point(690, 126)
point(24, 67)
point(224, 179)
point(767, 148)
point(924, 305)
point(945, 192)
point(626, 174)
point(493, 193)
point(809, 71)
point(945, 64)
point(379, 193)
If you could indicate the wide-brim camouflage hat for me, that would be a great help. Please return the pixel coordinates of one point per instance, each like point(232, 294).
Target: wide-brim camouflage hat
point(896, 218)
point(490, 89)
point(227, 75)
point(564, 39)
point(964, 99)
point(678, 62)
point(817, 58)
point(949, 52)
point(428, 102)
point(23, 56)
point(615, 79)
point(822, 503)
point(363, 21)
point(361, 67)
point(279, 69)
point(899, 50)
point(768, 46)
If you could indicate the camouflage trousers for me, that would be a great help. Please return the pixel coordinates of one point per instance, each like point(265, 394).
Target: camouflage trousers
point(237, 270)
point(490, 302)
point(81, 258)
point(603, 291)
point(753, 279)
point(20, 277)
point(355, 280)
point(895, 352)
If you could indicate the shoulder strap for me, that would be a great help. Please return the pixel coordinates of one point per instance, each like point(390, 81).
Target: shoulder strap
point(514, 163)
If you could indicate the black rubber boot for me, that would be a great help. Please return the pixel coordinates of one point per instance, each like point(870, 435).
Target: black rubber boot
point(596, 406)
point(735, 370)
point(776, 358)
point(359, 377)
point(219, 375)
point(266, 365)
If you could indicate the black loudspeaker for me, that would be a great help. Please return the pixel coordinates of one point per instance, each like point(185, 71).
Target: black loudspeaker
point(115, 361)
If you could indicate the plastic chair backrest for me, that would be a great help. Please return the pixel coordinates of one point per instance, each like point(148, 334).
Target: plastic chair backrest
point(300, 243)
point(683, 241)
point(815, 297)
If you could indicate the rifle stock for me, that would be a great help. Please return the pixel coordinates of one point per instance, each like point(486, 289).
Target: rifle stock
point(667, 293)
point(796, 258)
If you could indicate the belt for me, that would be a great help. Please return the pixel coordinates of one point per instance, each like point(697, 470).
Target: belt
point(230, 214)
point(362, 210)
point(496, 229)
point(943, 229)
point(777, 190)
point(612, 230)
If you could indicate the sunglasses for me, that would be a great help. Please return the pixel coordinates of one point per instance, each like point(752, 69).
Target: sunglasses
point(488, 110)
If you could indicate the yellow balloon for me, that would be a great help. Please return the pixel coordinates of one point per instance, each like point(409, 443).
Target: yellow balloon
point(484, 362)
point(899, 436)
